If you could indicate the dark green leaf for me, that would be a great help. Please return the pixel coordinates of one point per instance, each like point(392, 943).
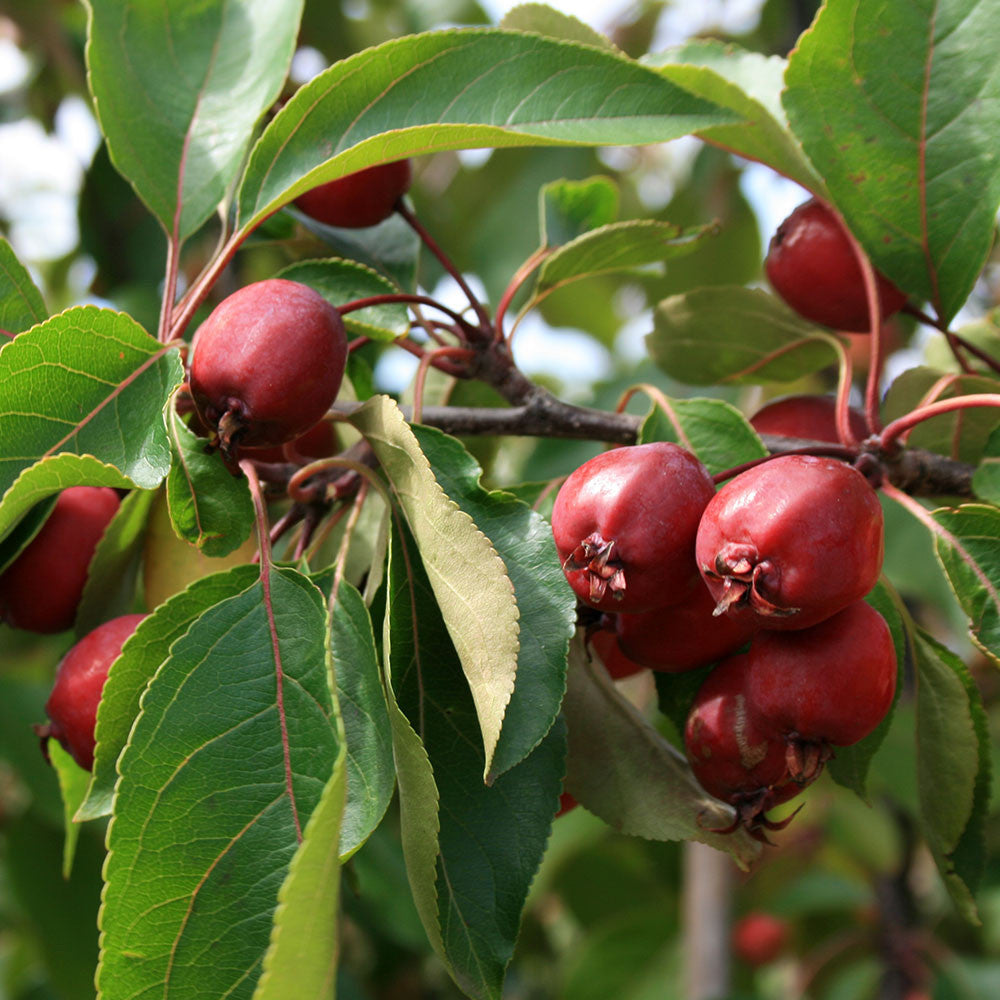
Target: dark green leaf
point(141, 656)
point(986, 478)
point(504, 89)
point(210, 507)
point(343, 281)
point(568, 209)
point(970, 555)
point(114, 568)
point(546, 605)
point(749, 84)
point(471, 876)
point(178, 89)
point(233, 749)
point(897, 106)
point(737, 336)
point(21, 303)
point(953, 768)
point(368, 736)
point(714, 430)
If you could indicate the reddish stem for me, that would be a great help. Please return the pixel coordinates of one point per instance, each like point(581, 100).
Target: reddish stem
point(520, 276)
point(405, 298)
point(922, 413)
point(429, 358)
point(264, 541)
point(198, 292)
point(846, 452)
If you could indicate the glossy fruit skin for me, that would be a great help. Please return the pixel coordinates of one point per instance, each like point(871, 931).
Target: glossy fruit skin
point(361, 199)
point(319, 441)
point(72, 705)
point(810, 417)
point(625, 522)
point(41, 590)
point(267, 363)
point(797, 539)
point(605, 645)
point(759, 938)
point(812, 267)
point(829, 684)
point(686, 635)
point(732, 757)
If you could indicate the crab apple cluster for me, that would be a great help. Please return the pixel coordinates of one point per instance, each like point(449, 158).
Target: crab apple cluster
point(80, 679)
point(41, 589)
point(267, 364)
point(812, 266)
point(763, 581)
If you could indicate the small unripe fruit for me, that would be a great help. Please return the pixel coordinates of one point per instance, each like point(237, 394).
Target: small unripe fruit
point(685, 635)
point(361, 199)
point(759, 937)
point(41, 590)
point(810, 417)
point(80, 679)
point(796, 539)
point(267, 364)
point(829, 684)
point(624, 525)
point(812, 267)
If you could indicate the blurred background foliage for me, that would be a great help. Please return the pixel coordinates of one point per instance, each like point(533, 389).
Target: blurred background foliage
point(854, 881)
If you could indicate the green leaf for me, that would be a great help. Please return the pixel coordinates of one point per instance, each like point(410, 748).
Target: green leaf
point(210, 507)
point(470, 581)
point(544, 20)
point(343, 281)
point(622, 770)
point(736, 336)
point(91, 382)
point(73, 782)
point(970, 555)
point(234, 750)
point(896, 106)
point(953, 768)
point(750, 85)
point(982, 332)
point(178, 88)
point(490, 840)
point(850, 765)
point(504, 89)
point(986, 478)
point(621, 246)
point(546, 604)
point(141, 656)
point(370, 773)
point(961, 434)
point(714, 430)
point(304, 943)
point(21, 304)
point(110, 587)
point(568, 209)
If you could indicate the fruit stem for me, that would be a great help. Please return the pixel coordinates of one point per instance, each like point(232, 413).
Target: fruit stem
point(847, 452)
point(955, 342)
point(198, 292)
point(429, 358)
point(169, 289)
point(392, 298)
point(910, 420)
point(485, 325)
point(517, 280)
point(660, 400)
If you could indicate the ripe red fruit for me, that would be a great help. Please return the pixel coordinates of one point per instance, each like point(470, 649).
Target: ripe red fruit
point(829, 684)
point(72, 705)
point(733, 757)
point(566, 802)
point(685, 635)
point(809, 417)
point(812, 267)
point(41, 590)
point(797, 538)
point(624, 525)
point(605, 645)
point(365, 198)
point(267, 364)
point(759, 937)
point(317, 442)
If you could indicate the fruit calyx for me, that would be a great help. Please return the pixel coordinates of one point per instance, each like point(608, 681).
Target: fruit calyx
point(751, 809)
point(744, 576)
point(595, 557)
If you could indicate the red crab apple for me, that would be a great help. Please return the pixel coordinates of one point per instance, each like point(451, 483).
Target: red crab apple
point(41, 590)
point(361, 199)
point(267, 364)
point(605, 645)
point(759, 937)
point(80, 679)
point(810, 417)
point(812, 267)
point(624, 525)
point(796, 539)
